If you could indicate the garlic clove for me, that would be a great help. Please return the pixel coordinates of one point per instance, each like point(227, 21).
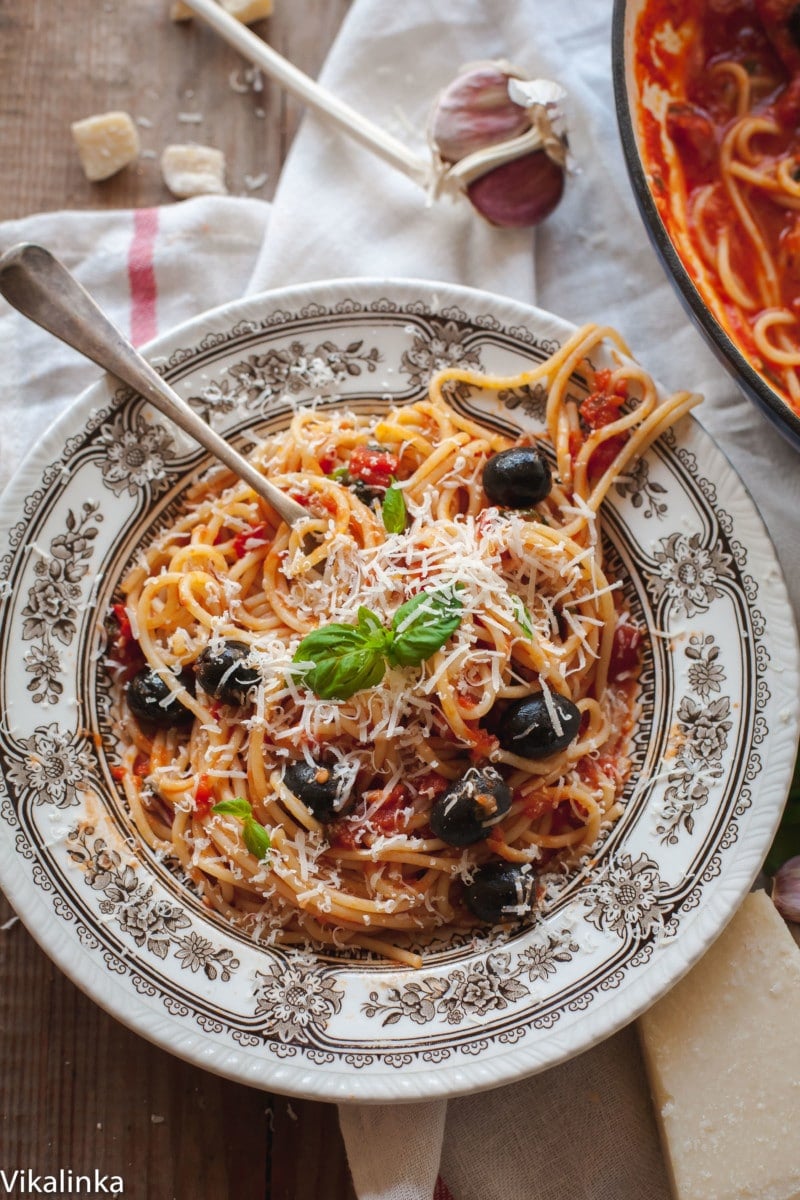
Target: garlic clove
point(476, 111)
point(501, 139)
point(786, 890)
point(519, 193)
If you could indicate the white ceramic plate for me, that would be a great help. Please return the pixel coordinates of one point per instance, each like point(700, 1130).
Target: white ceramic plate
point(713, 750)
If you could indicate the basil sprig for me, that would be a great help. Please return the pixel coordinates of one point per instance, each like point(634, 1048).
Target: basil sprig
point(340, 660)
point(256, 838)
point(393, 509)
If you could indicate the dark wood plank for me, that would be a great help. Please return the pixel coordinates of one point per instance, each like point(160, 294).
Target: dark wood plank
point(77, 1089)
point(58, 65)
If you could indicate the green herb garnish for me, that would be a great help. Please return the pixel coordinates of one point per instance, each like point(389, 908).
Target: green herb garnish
point(345, 659)
point(393, 509)
point(256, 838)
point(522, 616)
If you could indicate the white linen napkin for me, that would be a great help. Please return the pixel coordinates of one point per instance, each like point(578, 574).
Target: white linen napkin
point(583, 1131)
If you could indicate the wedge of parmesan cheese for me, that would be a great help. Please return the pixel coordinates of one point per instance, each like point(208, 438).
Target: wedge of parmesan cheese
point(106, 143)
point(193, 171)
point(723, 1055)
point(246, 11)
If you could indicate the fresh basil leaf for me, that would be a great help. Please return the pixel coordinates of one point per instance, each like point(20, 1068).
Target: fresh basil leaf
point(422, 625)
point(256, 838)
point(234, 808)
point(344, 659)
point(370, 622)
point(522, 616)
point(393, 510)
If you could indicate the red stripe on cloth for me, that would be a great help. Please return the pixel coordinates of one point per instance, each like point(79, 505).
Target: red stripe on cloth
point(142, 276)
point(441, 1191)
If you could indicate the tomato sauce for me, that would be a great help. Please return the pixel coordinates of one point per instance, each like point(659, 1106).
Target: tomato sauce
point(678, 45)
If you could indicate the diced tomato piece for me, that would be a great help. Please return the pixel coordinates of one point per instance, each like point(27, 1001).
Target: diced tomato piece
point(374, 467)
point(537, 805)
point(624, 650)
point(391, 815)
point(300, 498)
point(327, 464)
point(141, 767)
point(243, 542)
point(787, 106)
point(483, 744)
point(203, 796)
point(604, 455)
point(118, 773)
point(123, 622)
point(601, 408)
point(432, 784)
point(692, 131)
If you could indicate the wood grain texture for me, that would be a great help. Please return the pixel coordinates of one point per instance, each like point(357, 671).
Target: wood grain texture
point(77, 1089)
point(60, 62)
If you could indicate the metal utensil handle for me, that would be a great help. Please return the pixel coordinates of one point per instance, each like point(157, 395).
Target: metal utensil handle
point(39, 286)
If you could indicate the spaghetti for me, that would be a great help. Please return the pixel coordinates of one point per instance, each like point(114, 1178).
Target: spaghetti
point(537, 612)
point(720, 108)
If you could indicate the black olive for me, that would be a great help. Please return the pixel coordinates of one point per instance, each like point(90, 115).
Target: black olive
point(146, 694)
point(517, 478)
point(501, 891)
point(469, 808)
point(223, 674)
point(365, 493)
point(325, 791)
point(526, 727)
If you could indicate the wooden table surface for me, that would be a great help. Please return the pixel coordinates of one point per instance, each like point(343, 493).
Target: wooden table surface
point(77, 1090)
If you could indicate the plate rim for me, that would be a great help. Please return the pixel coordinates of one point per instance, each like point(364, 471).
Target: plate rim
point(446, 1079)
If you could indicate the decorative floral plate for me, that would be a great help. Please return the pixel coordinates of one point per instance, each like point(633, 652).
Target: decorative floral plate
point(713, 750)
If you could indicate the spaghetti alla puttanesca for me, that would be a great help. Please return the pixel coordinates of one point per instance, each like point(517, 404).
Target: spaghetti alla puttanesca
point(719, 114)
point(214, 616)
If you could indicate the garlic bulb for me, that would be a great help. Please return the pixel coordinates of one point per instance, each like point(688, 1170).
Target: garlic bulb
point(786, 890)
point(502, 138)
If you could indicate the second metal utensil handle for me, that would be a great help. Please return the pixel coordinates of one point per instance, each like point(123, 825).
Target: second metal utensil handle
point(38, 285)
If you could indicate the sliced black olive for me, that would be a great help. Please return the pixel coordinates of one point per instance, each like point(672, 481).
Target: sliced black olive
point(526, 727)
point(223, 674)
point(469, 808)
point(517, 478)
point(501, 891)
point(323, 790)
point(149, 699)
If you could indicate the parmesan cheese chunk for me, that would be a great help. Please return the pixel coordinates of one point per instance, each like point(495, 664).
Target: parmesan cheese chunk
point(193, 171)
point(106, 143)
point(723, 1055)
point(245, 11)
point(248, 11)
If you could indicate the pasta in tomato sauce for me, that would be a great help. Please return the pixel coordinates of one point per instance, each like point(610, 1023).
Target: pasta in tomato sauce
point(383, 722)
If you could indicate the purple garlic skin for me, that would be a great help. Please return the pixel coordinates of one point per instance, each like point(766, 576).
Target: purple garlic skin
point(786, 890)
point(519, 193)
point(476, 111)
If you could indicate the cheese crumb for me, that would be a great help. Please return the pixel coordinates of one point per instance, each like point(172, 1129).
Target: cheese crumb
point(193, 171)
point(106, 143)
